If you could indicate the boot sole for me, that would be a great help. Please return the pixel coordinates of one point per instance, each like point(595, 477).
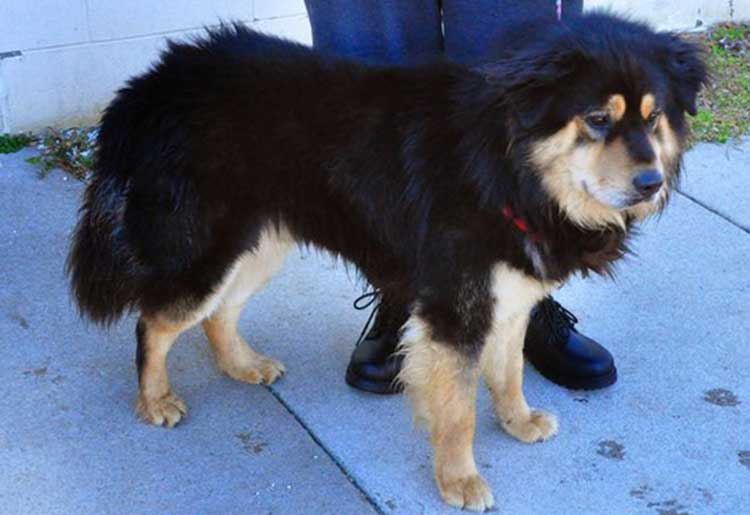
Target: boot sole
point(579, 382)
point(570, 382)
point(367, 385)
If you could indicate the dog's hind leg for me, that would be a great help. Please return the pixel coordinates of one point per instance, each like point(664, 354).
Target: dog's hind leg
point(157, 403)
point(233, 354)
point(442, 384)
point(502, 367)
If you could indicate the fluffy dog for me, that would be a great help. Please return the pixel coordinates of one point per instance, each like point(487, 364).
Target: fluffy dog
point(466, 194)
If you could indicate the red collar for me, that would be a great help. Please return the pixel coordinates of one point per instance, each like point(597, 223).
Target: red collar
point(519, 222)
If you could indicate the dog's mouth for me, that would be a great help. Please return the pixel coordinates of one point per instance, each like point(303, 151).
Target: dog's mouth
point(639, 198)
point(619, 199)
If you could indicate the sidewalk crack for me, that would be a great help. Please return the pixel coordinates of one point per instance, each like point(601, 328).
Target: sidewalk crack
point(369, 498)
point(715, 211)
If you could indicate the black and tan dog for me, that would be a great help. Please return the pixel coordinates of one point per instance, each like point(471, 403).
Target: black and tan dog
point(467, 194)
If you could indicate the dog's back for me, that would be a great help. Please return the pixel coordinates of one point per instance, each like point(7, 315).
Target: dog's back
point(234, 130)
point(142, 226)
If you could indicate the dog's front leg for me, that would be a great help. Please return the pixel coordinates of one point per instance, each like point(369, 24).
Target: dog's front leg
point(442, 384)
point(502, 367)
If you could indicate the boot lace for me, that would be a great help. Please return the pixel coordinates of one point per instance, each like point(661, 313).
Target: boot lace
point(557, 319)
point(363, 302)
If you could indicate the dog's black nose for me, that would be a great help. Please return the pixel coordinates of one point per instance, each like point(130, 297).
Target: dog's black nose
point(648, 182)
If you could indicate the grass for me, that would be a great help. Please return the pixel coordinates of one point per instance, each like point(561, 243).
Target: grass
point(10, 143)
point(724, 107)
point(71, 150)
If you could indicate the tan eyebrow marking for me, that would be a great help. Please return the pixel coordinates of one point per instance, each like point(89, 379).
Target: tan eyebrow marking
point(648, 104)
point(616, 106)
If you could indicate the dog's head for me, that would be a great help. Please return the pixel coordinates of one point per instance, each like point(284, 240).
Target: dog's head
point(599, 106)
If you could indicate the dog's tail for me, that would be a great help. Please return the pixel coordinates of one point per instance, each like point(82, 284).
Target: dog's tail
point(102, 266)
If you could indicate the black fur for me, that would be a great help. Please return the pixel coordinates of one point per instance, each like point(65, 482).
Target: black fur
point(401, 171)
point(140, 350)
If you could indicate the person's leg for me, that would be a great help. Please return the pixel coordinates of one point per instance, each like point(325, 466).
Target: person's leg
point(377, 31)
point(474, 26)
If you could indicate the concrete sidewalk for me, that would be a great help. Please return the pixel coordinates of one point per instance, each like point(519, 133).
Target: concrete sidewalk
point(671, 437)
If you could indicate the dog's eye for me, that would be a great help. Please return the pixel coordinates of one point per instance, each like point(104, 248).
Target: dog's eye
point(651, 120)
point(598, 121)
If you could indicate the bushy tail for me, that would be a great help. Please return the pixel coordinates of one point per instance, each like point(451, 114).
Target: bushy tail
point(103, 271)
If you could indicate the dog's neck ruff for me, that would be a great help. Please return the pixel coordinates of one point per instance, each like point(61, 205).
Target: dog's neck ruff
point(520, 223)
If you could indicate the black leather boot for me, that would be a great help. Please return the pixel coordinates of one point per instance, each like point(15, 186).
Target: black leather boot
point(562, 354)
point(373, 366)
point(553, 346)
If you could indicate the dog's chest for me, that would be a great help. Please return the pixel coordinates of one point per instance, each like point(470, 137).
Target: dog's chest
point(515, 293)
point(568, 250)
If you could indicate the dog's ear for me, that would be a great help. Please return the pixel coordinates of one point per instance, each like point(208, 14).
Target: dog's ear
point(527, 80)
point(683, 61)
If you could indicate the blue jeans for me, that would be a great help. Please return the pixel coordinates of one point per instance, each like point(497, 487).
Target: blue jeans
point(417, 31)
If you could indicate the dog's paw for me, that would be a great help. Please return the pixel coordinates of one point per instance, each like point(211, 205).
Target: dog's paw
point(470, 493)
point(167, 410)
point(260, 369)
point(539, 425)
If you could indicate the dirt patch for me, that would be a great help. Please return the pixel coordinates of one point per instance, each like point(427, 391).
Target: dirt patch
point(721, 397)
point(744, 457)
point(641, 492)
point(611, 449)
point(36, 372)
point(664, 504)
point(17, 317)
point(251, 443)
point(669, 507)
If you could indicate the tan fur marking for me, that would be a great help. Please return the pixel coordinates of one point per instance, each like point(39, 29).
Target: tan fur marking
point(546, 151)
point(670, 145)
point(564, 166)
point(233, 354)
point(255, 269)
point(502, 366)
point(648, 103)
point(249, 273)
point(616, 106)
point(502, 357)
point(442, 386)
point(156, 402)
point(252, 271)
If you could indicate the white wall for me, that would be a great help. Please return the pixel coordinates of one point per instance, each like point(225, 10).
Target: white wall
point(62, 60)
point(678, 14)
